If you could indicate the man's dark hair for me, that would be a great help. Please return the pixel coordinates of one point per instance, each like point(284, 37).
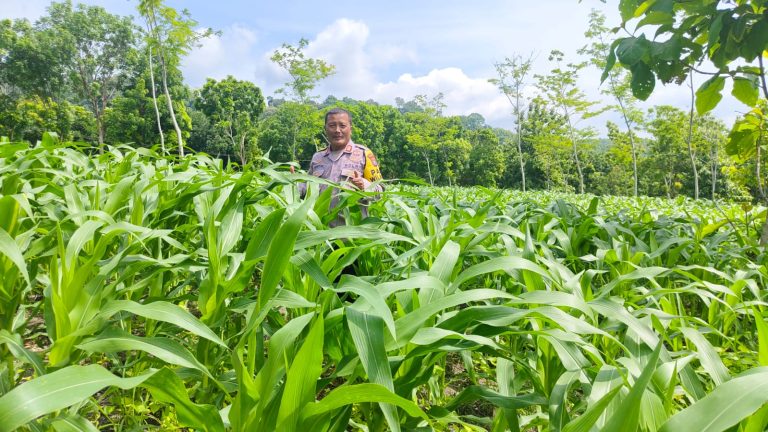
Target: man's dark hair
point(338, 111)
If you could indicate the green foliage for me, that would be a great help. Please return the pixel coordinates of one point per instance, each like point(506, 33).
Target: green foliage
point(94, 50)
point(29, 119)
point(142, 291)
point(667, 164)
point(131, 116)
point(31, 63)
point(732, 36)
point(486, 159)
point(233, 107)
point(614, 168)
point(305, 72)
point(170, 35)
point(512, 74)
point(291, 132)
point(560, 90)
point(619, 86)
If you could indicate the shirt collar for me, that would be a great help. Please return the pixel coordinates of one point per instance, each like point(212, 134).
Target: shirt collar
point(347, 149)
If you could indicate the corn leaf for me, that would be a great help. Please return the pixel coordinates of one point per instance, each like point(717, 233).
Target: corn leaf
point(301, 380)
point(165, 349)
point(625, 419)
point(166, 312)
point(725, 406)
point(57, 390)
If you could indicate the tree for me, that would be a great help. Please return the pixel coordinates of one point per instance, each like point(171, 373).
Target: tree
point(559, 88)
point(473, 121)
point(30, 64)
point(428, 131)
point(620, 164)
point(618, 84)
point(407, 106)
point(397, 158)
point(129, 118)
point(486, 159)
point(710, 136)
point(689, 143)
point(170, 35)
point(284, 138)
point(664, 169)
point(543, 132)
point(512, 74)
point(234, 107)
point(135, 117)
point(730, 35)
point(424, 137)
point(431, 132)
point(95, 48)
point(305, 72)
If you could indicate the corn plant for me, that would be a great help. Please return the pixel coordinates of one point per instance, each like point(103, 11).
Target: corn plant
point(144, 291)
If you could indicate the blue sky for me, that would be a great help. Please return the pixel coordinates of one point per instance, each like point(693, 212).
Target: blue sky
point(382, 50)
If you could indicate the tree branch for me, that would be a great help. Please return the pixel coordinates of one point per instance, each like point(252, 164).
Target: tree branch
point(704, 72)
point(762, 76)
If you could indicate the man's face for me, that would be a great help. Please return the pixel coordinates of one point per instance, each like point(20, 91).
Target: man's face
point(338, 130)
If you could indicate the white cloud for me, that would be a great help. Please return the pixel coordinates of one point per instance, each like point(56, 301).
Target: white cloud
point(383, 53)
point(463, 95)
point(361, 73)
point(389, 54)
point(231, 53)
point(345, 45)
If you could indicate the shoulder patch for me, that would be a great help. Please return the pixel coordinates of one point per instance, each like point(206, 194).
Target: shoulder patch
point(371, 170)
point(372, 158)
point(357, 155)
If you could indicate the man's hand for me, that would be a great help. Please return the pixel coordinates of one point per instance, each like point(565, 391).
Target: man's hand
point(358, 181)
point(293, 170)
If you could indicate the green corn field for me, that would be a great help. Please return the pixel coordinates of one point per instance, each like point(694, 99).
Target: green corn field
point(143, 292)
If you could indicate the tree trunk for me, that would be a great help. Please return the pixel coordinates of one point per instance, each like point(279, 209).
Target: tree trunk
point(634, 162)
point(152, 28)
point(713, 169)
point(99, 123)
point(100, 127)
point(154, 102)
point(631, 136)
point(631, 146)
point(764, 234)
point(170, 105)
point(429, 171)
point(690, 145)
point(243, 156)
point(576, 157)
point(238, 145)
point(520, 139)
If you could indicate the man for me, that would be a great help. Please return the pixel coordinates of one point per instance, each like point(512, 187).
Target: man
point(344, 161)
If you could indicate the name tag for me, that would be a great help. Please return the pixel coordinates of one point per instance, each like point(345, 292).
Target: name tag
point(348, 173)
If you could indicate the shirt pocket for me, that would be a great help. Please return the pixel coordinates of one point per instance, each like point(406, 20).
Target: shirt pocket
point(321, 170)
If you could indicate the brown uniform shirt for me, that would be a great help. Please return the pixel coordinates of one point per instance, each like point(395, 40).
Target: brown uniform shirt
point(354, 158)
